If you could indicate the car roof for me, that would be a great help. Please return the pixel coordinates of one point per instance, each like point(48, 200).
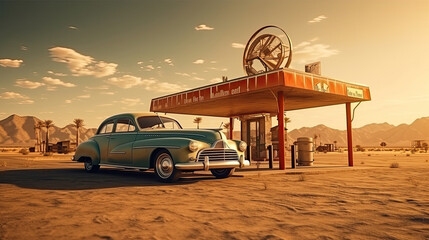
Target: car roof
point(136, 115)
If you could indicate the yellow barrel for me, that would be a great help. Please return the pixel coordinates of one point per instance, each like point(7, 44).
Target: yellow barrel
point(305, 151)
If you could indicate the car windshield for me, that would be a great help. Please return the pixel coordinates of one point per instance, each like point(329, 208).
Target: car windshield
point(153, 122)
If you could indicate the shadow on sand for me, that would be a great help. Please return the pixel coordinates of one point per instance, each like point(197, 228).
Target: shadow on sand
point(78, 179)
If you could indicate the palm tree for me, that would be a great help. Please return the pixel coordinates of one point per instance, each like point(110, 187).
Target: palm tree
point(198, 120)
point(383, 144)
point(78, 123)
point(37, 129)
point(47, 124)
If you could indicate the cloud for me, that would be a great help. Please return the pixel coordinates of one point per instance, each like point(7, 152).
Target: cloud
point(140, 62)
point(216, 80)
point(27, 101)
point(81, 65)
point(198, 61)
point(99, 87)
point(238, 45)
point(86, 96)
point(6, 62)
point(213, 61)
point(198, 78)
point(73, 27)
point(68, 101)
point(169, 61)
point(183, 74)
point(108, 93)
point(57, 74)
point(104, 105)
point(12, 95)
point(57, 82)
point(148, 68)
point(203, 27)
point(317, 19)
point(24, 48)
point(128, 81)
point(129, 102)
point(28, 84)
point(312, 52)
point(165, 87)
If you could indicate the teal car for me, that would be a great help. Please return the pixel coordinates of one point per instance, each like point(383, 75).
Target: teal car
point(148, 141)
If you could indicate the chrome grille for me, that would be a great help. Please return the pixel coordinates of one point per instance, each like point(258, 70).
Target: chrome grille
point(218, 154)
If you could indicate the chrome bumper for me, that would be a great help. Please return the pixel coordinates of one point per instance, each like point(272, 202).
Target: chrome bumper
point(207, 164)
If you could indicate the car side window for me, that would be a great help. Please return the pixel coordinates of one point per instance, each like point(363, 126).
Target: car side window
point(125, 125)
point(106, 128)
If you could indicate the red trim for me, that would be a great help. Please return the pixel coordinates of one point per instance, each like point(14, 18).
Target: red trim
point(349, 134)
point(281, 122)
point(231, 128)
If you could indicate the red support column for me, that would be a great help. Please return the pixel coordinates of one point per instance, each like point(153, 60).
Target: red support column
point(231, 128)
point(281, 122)
point(349, 134)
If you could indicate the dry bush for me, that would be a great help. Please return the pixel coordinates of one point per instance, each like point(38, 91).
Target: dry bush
point(362, 162)
point(3, 164)
point(301, 178)
point(394, 165)
point(24, 151)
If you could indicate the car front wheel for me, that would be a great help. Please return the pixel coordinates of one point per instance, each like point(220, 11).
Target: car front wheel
point(90, 166)
point(164, 167)
point(223, 172)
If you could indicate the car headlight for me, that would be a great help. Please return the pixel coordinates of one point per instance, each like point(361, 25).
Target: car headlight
point(242, 146)
point(194, 146)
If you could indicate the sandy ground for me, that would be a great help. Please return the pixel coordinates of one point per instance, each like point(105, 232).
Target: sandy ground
point(53, 198)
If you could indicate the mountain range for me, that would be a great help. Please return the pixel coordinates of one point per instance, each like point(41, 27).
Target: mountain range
point(19, 131)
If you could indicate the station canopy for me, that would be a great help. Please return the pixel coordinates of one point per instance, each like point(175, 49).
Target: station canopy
point(258, 94)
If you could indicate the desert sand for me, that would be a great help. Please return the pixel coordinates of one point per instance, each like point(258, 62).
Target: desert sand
point(53, 198)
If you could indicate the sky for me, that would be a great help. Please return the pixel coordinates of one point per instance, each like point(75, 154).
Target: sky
point(62, 60)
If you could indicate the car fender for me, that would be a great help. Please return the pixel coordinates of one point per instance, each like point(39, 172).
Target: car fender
point(177, 147)
point(88, 149)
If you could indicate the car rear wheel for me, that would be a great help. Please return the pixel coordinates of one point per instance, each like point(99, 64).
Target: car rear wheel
point(90, 166)
point(164, 167)
point(223, 172)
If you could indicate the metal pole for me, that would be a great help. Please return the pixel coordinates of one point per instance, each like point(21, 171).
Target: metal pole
point(231, 128)
point(270, 156)
point(281, 121)
point(349, 134)
point(292, 156)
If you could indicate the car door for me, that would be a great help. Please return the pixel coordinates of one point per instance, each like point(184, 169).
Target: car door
point(102, 138)
point(121, 142)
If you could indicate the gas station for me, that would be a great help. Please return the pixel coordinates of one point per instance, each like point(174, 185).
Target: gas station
point(266, 93)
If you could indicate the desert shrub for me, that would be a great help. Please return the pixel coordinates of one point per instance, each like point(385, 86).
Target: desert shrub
point(394, 165)
point(408, 155)
point(48, 154)
point(369, 155)
point(362, 162)
point(24, 151)
point(301, 178)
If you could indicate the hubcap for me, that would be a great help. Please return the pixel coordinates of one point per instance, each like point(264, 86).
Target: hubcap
point(88, 165)
point(164, 165)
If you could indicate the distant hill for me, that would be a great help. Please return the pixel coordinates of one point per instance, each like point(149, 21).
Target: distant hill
point(19, 131)
point(370, 135)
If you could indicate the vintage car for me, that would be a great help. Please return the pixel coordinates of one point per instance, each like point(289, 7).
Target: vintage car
point(146, 140)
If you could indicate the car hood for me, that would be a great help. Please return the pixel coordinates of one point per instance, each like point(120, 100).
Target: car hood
point(204, 135)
